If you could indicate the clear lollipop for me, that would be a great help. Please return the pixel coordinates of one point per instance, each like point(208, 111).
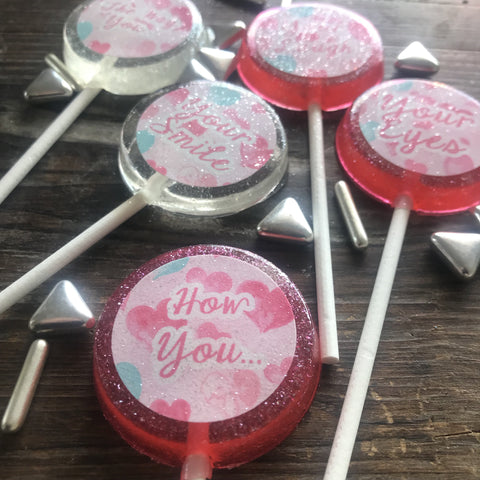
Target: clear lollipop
point(313, 56)
point(123, 47)
point(202, 148)
point(412, 144)
point(206, 357)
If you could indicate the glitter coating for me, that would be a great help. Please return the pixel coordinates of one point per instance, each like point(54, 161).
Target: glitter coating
point(311, 52)
point(414, 137)
point(216, 148)
point(163, 430)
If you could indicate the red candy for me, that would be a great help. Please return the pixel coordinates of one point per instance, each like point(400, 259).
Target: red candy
point(311, 53)
point(206, 351)
point(417, 138)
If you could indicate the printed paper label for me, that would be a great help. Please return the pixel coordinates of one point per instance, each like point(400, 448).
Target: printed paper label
point(313, 41)
point(207, 134)
point(424, 127)
point(135, 28)
point(204, 338)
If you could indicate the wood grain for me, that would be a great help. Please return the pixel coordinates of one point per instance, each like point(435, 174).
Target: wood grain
point(421, 419)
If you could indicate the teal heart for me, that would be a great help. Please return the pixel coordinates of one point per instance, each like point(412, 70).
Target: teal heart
point(145, 140)
point(131, 377)
point(172, 267)
point(404, 86)
point(284, 63)
point(302, 12)
point(369, 130)
point(84, 29)
point(223, 96)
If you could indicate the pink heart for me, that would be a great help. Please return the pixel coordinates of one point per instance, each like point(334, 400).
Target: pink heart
point(143, 322)
point(158, 168)
point(146, 48)
point(178, 96)
point(194, 176)
point(276, 373)
point(215, 282)
point(150, 112)
point(272, 309)
point(160, 4)
point(183, 13)
point(209, 330)
point(178, 410)
point(247, 387)
point(256, 155)
point(417, 167)
point(100, 47)
point(458, 165)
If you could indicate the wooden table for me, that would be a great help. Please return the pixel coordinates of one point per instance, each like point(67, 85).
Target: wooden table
point(421, 418)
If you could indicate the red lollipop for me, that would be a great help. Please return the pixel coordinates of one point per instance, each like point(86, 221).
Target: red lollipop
point(313, 56)
point(205, 357)
point(414, 145)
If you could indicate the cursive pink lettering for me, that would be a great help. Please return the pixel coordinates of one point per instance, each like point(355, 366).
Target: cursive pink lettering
point(190, 302)
point(173, 347)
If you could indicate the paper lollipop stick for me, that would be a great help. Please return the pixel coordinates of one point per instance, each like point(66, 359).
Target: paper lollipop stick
point(123, 47)
point(314, 57)
point(205, 357)
point(203, 148)
point(412, 144)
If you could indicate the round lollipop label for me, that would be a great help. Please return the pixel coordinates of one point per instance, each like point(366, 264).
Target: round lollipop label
point(134, 29)
point(207, 134)
point(336, 43)
point(197, 339)
point(422, 127)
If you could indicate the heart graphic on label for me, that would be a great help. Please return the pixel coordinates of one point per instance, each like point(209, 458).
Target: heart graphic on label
point(246, 386)
point(131, 377)
point(369, 130)
point(272, 309)
point(459, 165)
point(143, 322)
point(209, 330)
point(100, 47)
point(223, 96)
point(172, 267)
point(215, 282)
point(84, 29)
point(145, 140)
point(178, 410)
point(177, 97)
point(284, 63)
point(276, 373)
point(414, 166)
point(256, 155)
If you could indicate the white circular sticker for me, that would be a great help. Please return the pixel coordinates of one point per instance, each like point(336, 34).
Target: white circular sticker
point(207, 134)
point(135, 28)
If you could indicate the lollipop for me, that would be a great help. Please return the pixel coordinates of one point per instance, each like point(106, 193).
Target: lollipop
point(412, 144)
point(187, 363)
point(202, 148)
point(124, 47)
point(314, 57)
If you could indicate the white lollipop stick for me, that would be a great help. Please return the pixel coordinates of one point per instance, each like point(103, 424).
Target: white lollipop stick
point(51, 265)
point(321, 237)
point(38, 149)
point(339, 460)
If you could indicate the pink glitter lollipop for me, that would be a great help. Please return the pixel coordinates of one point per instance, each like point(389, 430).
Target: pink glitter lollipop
point(313, 56)
point(187, 363)
point(412, 144)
